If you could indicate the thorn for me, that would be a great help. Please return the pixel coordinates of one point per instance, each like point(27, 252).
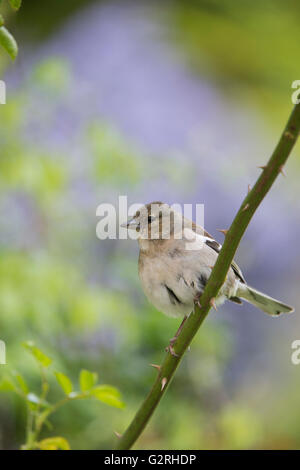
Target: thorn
point(156, 366)
point(249, 188)
point(246, 207)
point(222, 231)
point(263, 167)
point(281, 170)
point(163, 383)
point(118, 434)
point(213, 303)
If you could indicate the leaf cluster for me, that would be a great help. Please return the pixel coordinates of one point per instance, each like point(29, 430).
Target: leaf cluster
point(39, 408)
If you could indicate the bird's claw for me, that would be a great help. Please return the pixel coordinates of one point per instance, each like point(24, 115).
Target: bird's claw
point(170, 349)
point(197, 301)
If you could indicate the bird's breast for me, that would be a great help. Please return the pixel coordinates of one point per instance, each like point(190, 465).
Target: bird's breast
point(165, 287)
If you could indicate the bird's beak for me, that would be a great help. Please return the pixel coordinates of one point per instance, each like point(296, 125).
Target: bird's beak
point(130, 224)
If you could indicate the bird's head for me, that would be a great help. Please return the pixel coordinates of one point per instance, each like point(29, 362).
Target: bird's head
point(154, 221)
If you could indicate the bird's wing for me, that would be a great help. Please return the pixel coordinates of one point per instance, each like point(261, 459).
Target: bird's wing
point(212, 243)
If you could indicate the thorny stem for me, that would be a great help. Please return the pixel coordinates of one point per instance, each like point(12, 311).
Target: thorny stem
point(217, 278)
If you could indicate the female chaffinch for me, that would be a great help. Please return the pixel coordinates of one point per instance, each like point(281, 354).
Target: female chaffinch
point(176, 259)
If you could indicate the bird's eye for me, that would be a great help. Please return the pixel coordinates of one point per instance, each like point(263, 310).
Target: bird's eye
point(150, 219)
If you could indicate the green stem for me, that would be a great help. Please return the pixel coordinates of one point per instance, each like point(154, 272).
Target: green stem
point(29, 432)
point(217, 278)
point(33, 435)
point(43, 396)
point(45, 415)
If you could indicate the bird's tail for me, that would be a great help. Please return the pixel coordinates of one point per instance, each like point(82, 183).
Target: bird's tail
point(264, 302)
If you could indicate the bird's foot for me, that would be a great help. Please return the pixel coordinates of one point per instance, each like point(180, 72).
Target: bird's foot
point(197, 301)
point(170, 349)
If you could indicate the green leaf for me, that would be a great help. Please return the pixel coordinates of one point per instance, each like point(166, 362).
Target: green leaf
point(14, 383)
point(6, 385)
point(8, 42)
point(87, 380)
point(22, 383)
point(64, 382)
point(108, 394)
point(1, 20)
point(44, 360)
point(54, 443)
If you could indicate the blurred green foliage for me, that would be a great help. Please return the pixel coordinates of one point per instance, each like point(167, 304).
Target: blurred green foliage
point(39, 409)
point(114, 160)
point(42, 296)
point(248, 49)
point(80, 298)
point(46, 296)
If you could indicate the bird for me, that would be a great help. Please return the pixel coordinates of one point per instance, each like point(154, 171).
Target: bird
point(176, 258)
